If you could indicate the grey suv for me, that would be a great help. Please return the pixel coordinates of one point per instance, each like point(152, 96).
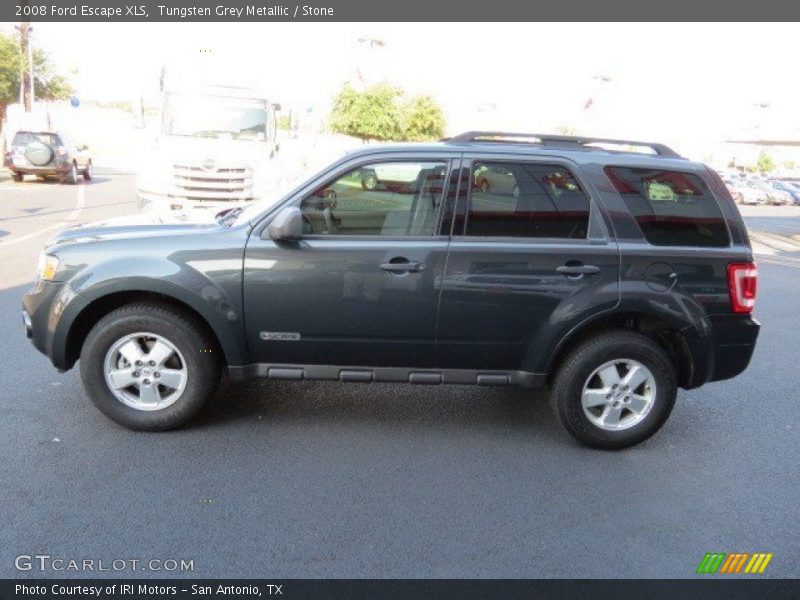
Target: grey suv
point(48, 154)
point(617, 273)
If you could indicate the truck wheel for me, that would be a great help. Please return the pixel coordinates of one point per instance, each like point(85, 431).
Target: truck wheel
point(87, 172)
point(149, 366)
point(71, 176)
point(614, 390)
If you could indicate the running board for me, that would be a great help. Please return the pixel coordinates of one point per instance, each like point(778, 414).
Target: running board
point(386, 375)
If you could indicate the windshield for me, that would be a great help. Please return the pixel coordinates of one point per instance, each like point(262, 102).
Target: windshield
point(196, 115)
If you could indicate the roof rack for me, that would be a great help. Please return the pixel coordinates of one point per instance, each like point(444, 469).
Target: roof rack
point(562, 141)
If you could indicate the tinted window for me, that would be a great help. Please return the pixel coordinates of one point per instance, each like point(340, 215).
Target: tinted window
point(672, 208)
point(387, 199)
point(526, 200)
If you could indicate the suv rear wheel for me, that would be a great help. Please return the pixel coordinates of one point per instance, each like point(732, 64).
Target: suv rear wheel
point(71, 176)
point(614, 390)
point(18, 177)
point(149, 366)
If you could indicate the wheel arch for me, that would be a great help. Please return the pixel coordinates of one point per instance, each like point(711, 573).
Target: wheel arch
point(102, 305)
point(681, 345)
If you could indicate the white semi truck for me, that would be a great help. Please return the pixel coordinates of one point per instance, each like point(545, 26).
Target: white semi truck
point(214, 151)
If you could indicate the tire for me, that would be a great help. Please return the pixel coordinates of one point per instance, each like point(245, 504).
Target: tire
point(194, 356)
point(618, 349)
point(71, 176)
point(87, 172)
point(18, 177)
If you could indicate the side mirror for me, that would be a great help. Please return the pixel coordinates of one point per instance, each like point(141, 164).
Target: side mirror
point(276, 106)
point(82, 147)
point(287, 225)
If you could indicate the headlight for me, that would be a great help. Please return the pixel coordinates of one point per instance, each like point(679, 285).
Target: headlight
point(48, 265)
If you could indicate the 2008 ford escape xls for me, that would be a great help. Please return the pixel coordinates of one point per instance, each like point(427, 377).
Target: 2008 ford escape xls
point(612, 272)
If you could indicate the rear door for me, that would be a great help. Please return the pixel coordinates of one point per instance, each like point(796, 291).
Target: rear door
point(526, 259)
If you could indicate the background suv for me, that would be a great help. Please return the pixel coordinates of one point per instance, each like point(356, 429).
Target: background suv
point(611, 277)
point(48, 154)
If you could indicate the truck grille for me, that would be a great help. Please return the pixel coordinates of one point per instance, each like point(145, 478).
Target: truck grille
point(222, 184)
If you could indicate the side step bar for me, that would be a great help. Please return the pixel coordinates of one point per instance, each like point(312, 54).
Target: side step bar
point(386, 375)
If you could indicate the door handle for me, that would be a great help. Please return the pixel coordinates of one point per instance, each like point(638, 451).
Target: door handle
point(403, 267)
point(578, 269)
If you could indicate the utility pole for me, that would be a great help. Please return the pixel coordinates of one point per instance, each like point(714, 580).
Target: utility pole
point(26, 51)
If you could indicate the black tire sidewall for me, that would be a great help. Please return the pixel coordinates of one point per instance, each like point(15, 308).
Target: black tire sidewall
point(202, 368)
point(72, 175)
point(568, 389)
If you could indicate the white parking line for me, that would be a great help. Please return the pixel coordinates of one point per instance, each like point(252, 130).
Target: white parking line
point(71, 217)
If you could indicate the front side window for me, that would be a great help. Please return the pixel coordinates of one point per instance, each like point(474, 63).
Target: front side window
point(382, 199)
point(672, 208)
point(526, 200)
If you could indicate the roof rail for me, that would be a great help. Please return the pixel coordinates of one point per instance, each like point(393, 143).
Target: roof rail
point(564, 141)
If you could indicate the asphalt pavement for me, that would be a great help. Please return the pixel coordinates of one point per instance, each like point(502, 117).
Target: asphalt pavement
point(327, 480)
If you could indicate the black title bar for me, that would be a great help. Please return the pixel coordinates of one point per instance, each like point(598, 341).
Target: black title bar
point(496, 11)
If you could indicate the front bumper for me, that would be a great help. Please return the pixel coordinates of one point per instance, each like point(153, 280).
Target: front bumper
point(48, 309)
point(184, 209)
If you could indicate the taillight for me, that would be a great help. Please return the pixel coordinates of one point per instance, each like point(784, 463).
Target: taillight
point(742, 283)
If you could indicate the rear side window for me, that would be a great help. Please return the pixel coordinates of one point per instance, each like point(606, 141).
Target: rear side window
point(510, 199)
point(672, 208)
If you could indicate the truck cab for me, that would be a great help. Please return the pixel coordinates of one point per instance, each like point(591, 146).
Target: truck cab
point(214, 151)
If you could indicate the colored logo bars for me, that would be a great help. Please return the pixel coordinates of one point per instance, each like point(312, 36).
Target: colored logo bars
point(737, 562)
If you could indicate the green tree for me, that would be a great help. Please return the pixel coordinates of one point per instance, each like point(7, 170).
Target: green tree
point(765, 163)
point(369, 115)
point(383, 112)
point(48, 85)
point(422, 120)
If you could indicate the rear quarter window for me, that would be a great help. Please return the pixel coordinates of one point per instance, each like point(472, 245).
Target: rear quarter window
point(672, 208)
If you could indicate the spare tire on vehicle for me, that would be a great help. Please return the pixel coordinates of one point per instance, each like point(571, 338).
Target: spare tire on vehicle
point(39, 154)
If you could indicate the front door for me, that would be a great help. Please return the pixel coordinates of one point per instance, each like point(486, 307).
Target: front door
point(528, 254)
point(360, 288)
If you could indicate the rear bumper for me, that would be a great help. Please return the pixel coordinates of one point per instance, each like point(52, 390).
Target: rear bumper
point(720, 347)
point(57, 167)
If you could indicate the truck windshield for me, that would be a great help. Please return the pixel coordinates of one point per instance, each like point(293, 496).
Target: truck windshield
point(215, 117)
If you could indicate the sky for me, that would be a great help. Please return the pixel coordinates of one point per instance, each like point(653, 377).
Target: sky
point(686, 84)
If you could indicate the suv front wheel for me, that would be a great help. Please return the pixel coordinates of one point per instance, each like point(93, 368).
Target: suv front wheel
point(149, 366)
point(614, 390)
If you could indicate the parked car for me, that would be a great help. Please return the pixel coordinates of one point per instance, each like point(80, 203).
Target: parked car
point(48, 154)
point(792, 189)
point(775, 196)
point(734, 191)
point(612, 279)
point(749, 192)
point(496, 179)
